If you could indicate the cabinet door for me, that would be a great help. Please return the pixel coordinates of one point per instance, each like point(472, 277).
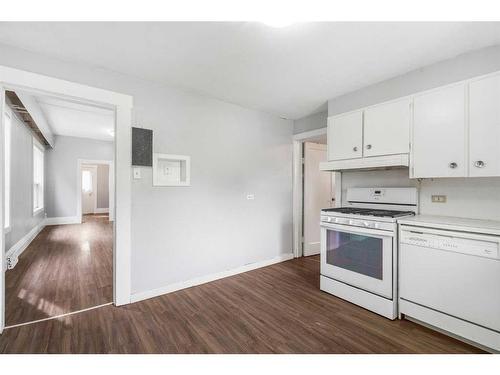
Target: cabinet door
point(387, 129)
point(345, 136)
point(439, 133)
point(484, 127)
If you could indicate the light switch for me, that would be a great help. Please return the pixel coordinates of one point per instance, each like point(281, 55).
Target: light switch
point(137, 173)
point(250, 197)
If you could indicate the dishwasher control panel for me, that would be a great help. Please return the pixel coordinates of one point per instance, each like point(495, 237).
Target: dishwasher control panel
point(482, 248)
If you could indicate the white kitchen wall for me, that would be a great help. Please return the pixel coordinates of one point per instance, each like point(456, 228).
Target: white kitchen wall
point(21, 190)
point(477, 198)
point(311, 122)
point(475, 63)
point(466, 197)
point(179, 233)
point(61, 163)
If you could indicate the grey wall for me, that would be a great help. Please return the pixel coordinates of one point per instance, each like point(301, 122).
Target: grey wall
point(311, 122)
point(179, 233)
point(61, 171)
point(102, 186)
point(467, 197)
point(483, 61)
point(22, 219)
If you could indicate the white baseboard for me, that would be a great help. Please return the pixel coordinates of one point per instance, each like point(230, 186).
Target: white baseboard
point(62, 220)
point(206, 279)
point(101, 211)
point(17, 249)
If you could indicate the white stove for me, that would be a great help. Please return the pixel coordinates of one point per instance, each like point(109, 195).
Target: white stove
point(359, 247)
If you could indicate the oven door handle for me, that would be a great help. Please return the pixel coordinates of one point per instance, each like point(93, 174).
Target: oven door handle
point(358, 230)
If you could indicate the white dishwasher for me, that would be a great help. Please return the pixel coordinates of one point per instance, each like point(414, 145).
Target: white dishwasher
point(451, 280)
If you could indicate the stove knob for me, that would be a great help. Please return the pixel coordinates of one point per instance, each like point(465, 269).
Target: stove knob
point(375, 225)
point(328, 219)
point(366, 223)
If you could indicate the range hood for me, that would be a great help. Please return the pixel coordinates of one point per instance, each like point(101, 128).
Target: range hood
point(369, 163)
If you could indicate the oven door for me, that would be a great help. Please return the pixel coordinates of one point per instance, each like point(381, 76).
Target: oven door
point(359, 257)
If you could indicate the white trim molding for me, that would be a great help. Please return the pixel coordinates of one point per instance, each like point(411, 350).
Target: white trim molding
point(122, 104)
point(136, 297)
point(297, 188)
point(101, 210)
point(18, 248)
point(63, 220)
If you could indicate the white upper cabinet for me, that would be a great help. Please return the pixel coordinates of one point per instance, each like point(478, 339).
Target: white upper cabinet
point(387, 128)
point(345, 136)
point(439, 133)
point(484, 127)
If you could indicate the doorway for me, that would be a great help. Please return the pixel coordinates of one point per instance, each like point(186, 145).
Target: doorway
point(57, 266)
point(121, 105)
point(312, 190)
point(89, 189)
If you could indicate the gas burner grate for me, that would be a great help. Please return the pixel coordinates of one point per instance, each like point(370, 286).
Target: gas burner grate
point(369, 212)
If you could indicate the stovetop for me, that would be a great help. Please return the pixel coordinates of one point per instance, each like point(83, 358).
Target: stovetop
point(369, 212)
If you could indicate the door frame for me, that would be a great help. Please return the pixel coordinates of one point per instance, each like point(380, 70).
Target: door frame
point(122, 105)
point(111, 186)
point(298, 189)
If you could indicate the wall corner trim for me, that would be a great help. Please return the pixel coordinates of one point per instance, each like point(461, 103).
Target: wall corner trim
point(17, 249)
point(140, 296)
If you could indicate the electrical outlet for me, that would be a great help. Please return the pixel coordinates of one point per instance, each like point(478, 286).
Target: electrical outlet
point(438, 198)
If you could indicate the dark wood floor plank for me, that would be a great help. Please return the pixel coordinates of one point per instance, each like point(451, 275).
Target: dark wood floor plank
point(276, 309)
point(66, 268)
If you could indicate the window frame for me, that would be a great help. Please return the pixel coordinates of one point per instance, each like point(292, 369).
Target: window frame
point(37, 210)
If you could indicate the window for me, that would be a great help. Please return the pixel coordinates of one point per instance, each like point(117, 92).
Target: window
point(37, 177)
point(7, 137)
point(86, 181)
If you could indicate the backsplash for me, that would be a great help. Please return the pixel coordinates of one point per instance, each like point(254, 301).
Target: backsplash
point(477, 198)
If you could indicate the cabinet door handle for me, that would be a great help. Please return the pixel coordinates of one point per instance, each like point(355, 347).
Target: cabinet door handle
point(479, 164)
point(453, 165)
point(368, 147)
point(355, 149)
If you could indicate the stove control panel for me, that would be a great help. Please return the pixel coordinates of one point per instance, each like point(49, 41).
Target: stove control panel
point(370, 224)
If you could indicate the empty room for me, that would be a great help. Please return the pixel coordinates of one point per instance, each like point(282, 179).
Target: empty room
point(247, 184)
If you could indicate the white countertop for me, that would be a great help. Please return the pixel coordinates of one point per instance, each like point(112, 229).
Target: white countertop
point(453, 223)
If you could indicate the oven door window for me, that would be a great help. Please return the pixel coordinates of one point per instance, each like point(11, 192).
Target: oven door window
point(358, 253)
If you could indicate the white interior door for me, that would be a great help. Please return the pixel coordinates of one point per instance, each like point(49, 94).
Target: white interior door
point(89, 189)
point(318, 194)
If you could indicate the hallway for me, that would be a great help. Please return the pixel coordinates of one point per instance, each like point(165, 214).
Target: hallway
point(66, 268)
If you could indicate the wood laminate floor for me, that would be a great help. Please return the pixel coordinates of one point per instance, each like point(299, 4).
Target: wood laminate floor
point(276, 309)
point(66, 268)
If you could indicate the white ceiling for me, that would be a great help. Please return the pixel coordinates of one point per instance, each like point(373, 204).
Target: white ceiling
point(77, 120)
point(290, 72)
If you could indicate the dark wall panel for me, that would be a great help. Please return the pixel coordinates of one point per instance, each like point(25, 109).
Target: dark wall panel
point(142, 147)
